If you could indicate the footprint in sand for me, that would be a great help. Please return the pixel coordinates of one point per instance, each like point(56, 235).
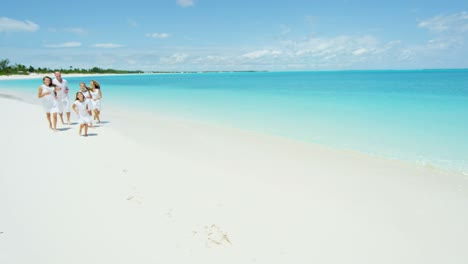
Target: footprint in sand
point(213, 236)
point(135, 198)
point(170, 213)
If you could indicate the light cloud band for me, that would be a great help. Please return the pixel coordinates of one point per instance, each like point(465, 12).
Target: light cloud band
point(11, 25)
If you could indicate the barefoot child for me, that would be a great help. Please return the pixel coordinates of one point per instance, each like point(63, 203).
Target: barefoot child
point(81, 108)
point(88, 99)
point(96, 95)
point(48, 97)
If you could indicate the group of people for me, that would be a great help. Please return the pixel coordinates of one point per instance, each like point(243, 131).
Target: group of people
point(53, 94)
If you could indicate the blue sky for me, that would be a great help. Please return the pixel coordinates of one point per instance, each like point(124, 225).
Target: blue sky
point(236, 35)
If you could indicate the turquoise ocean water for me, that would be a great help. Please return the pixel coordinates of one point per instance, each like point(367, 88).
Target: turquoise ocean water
point(419, 116)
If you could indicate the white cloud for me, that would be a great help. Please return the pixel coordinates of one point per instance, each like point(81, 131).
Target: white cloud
point(335, 46)
point(213, 59)
point(359, 51)
point(107, 45)
point(158, 35)
point(78, 31)
point(449, 32)
point(438, 44)
point(185, 3)
point(64, 45)
point(10, 25)
point(446, 48)
point(449, 23)
point(261, 53)
point(339, 52)
point(174, 59)
point(290, 56)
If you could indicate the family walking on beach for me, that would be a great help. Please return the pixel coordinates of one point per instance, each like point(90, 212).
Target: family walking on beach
point(54, 98)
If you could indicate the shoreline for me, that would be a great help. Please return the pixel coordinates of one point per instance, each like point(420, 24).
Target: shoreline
point(28, 98)
point(138, 118)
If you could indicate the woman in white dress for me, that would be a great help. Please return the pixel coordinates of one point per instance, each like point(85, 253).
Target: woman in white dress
point(97, 96)
point(88, 98)
point(48, 97)
point(81, 107)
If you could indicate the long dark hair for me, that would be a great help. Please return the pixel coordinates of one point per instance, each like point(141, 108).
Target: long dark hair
point(50, 84)
point(96, 84)
point(50, 79)
point(76, 97)
point(88, 89)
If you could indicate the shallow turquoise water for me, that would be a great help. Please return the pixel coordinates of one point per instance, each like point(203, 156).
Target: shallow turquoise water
point(420, 116)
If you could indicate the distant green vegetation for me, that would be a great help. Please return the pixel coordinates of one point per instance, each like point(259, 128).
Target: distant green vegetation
point(8, 69)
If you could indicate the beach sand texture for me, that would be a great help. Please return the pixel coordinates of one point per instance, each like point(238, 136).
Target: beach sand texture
point(149, 189)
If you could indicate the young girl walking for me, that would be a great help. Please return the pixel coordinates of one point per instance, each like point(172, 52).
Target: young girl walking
point(81, 108)
point(96, 95)
point(88, 99)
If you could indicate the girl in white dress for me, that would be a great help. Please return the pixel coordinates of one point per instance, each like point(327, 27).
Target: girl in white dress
point(88, 98)
point(97, 96)
point(81, 108)
point(48, 97)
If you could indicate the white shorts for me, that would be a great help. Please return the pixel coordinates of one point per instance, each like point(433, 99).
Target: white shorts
point(60, 106)
point(84, 119)
point(63, 106)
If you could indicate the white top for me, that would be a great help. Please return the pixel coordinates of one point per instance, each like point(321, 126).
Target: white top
point(63, 92)
point(48, 101)
point(49, 97)
point(95, 94)
point(82, 108)
point(86, 94)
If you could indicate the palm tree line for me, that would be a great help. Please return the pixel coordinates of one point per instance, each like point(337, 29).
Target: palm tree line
point(6, 68)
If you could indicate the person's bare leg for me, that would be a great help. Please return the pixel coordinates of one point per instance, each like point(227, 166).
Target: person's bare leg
point(96, 114)
point(61, 118)
point(54, 115)
point(92, 122)
point(85, 130)
point(68, 118)
point(48, 119)
point(81, 128)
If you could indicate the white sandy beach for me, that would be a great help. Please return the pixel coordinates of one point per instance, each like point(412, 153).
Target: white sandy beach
point(149, 189)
